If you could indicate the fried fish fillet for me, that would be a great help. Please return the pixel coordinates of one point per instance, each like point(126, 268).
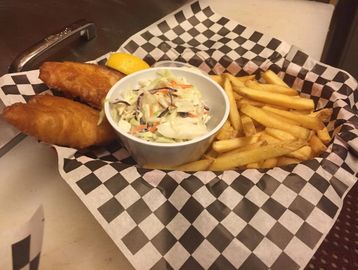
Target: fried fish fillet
point(59, 121)
point(90, 82)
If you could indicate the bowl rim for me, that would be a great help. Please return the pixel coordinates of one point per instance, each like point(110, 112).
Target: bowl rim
point(114, 89)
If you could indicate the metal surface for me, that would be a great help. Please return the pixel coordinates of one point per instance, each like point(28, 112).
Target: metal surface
point(25, 22)
point(83, 28)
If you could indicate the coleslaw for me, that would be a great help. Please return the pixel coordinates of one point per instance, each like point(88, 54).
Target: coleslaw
point(166, 109)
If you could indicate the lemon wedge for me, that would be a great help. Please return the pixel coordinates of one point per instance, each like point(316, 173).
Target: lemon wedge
point(126, 63)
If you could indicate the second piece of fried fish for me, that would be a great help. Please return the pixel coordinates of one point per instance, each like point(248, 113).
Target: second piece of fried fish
point(90, 82)
point(59, 121)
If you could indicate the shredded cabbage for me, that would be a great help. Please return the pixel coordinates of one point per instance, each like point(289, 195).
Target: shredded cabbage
point(166, 109)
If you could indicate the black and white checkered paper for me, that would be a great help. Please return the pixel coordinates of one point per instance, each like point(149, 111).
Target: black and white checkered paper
point(20, 245)
point(248, 219)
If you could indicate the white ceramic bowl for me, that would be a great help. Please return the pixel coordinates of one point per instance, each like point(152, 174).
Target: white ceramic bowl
point(172, 154)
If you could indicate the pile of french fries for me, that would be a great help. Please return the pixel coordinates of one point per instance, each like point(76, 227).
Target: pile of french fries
point(269, 125)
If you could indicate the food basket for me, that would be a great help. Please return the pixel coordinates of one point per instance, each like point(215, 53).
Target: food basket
point(250, 219)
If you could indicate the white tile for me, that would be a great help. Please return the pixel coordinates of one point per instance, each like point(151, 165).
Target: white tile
point(178, 176)
point(229, 176)
point(151, 226)
point(205, 223)
point(303, 171)
point(236, 253)
point(233, 223)
point(154, 198)
point(311, 194)
point(284, 195)
point(332, 195)
point(98, 196)
point(177, 256)
point(205, 176)
point(146, 257)
point(253, 175)
point(230, 197)
point(257, 196)
point(105, 172)
point(179, 197)
point(318, 219)
point(26, 89)
point(344, 176)
point(206, 254)
point(127, 196)
point(130, 174)
point(203, 196)
point(120, 226)
point(298, 251)
point(262, 222)
point(154, 177)
point(267, 251)
point(278, 174)
point(178, 225)
point(291, 221)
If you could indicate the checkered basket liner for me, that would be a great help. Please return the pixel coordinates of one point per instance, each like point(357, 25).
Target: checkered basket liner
point(20, 245)
point(245, 219)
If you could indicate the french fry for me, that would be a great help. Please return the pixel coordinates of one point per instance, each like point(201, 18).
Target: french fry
point(255, 155)
point(237, 96)
point(303, 120)
point(210, 154)
point(291, 102)
point(199, 165)
point(324, 135)
point(304, 153)
point(248, 125)
point(265, 118)
point(234, 114)
point(226, 132)
point(273, 88)
point(284, 161)
point(256, 103)
point(302, 112)
point(312, 132)
point(218, 78)
point(317, 145)
point(227, 145)
point(283, 119)
point(268, 138)
point(235, 81)
point(246, 78)
point(254, 165)
point(270, 77)
point(269, 163)
point(279, 134)
point(259, 128)
point(269, 125)
point(250, 101)
point(324, 114)
point(243, 148)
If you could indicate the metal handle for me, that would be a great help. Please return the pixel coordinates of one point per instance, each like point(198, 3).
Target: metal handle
point(85, 29)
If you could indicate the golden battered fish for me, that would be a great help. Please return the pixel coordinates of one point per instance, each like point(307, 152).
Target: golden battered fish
point(90, 82)
point(59, 121)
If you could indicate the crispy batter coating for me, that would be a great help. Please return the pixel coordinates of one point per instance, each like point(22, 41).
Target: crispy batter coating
point(90, 82)
point(59, 121)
